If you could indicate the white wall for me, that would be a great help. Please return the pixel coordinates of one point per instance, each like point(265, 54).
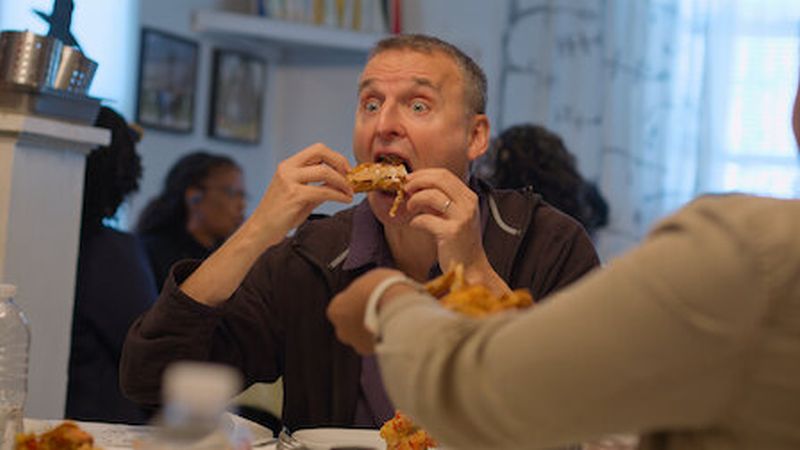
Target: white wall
point(316, 103)
point(308, 99)
point(160, 149)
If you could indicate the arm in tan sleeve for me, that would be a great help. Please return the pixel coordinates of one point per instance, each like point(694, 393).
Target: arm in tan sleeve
point(662, 350)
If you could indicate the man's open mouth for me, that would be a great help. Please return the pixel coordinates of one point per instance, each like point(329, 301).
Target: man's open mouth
point(394, 160)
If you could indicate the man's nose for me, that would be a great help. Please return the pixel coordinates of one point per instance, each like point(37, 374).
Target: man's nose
point(390, 123)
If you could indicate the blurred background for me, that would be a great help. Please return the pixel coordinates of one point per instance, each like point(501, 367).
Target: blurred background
point(660, 100)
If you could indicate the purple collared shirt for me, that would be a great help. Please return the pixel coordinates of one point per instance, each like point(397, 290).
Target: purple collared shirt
point(368, 248)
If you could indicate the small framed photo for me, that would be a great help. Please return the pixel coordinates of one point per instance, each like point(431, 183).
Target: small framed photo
point(237, 94)
point(167, 81)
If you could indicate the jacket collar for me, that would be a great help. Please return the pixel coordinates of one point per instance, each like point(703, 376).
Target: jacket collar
point(511, 213)
point(505, 217)
point(368, 246)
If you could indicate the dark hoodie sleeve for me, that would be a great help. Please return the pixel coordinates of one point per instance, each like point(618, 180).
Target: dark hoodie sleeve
point(175, 328)
point(243, 332)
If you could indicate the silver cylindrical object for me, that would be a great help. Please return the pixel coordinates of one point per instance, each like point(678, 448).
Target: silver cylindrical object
point(75, 71)
point(28, 59)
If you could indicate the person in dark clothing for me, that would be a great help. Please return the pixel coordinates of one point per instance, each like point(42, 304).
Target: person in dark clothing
point(595, 208)
point(114, 283)
point(529, 155)
point(201, 204)
point(258, 303)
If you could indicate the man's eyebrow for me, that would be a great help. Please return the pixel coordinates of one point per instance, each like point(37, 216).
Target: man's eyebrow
point(424, 82)
point(364, 84)
point(419, 81)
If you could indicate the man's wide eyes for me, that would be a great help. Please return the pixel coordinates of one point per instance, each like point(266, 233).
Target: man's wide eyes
point(416, 106)
point(371, 106)
point(419, 107)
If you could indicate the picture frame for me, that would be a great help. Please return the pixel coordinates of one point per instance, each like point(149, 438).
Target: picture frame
point(238, 86)
point(167, 84)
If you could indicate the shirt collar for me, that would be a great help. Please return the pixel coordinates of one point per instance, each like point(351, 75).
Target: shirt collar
point(367, 243)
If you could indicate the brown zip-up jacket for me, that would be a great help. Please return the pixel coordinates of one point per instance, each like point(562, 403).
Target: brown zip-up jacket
point(275, 324)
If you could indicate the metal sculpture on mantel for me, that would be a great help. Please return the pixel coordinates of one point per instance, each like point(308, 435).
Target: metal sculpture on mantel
point(60, 21)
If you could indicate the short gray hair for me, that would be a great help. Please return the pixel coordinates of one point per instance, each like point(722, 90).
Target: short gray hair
point(474, 78)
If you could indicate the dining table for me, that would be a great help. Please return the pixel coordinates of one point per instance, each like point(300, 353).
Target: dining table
point(114, 436)
point(111, 436)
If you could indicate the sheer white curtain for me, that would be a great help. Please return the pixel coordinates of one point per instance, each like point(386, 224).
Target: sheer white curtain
point(602, 74)
point(751, 76)
point(660, 100)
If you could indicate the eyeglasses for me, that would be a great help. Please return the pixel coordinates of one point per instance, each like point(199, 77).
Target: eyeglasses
point(229, 191)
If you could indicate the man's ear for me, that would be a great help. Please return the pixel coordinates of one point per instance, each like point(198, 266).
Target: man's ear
point(478, 136)
point(193, 196)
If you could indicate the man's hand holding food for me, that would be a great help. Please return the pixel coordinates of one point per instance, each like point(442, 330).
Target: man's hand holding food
point(448, 209)
point(301, 183)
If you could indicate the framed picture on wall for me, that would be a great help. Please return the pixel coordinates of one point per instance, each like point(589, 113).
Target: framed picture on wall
point(167, 81)
point(239, 81)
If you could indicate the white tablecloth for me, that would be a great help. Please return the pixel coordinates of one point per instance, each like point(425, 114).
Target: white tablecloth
point(121, 437)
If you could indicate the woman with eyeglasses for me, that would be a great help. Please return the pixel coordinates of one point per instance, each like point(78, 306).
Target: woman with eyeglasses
point(201, 204)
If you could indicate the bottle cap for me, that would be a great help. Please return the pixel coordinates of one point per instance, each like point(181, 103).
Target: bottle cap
point(201, 386)
point(7, 290)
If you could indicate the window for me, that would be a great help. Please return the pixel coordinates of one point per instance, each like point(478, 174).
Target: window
point(759, 153)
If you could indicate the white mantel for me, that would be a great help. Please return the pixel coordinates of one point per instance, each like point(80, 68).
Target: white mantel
point(42, 164)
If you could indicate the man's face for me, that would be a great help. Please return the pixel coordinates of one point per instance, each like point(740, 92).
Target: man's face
point(412, 105)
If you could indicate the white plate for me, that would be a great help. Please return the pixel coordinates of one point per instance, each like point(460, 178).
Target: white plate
point(330, 438)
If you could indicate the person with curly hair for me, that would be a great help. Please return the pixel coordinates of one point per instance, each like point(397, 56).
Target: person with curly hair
point(201, 204)
point(114, 283)
point(529, 155)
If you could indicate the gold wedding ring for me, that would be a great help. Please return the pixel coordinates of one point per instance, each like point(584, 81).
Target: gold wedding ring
point(446, 205)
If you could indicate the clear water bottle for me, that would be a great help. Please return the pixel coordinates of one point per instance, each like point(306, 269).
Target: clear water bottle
point(15, 339)
point(194, 417)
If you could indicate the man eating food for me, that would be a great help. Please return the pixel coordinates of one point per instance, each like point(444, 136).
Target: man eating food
point(258, 303)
